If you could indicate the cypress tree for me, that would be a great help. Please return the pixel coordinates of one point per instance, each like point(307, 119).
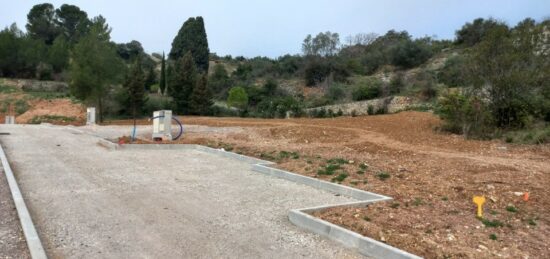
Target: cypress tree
point(201, 98)
point(182, 83)
point(135, 87)
point(162, 82)
point(192, 38)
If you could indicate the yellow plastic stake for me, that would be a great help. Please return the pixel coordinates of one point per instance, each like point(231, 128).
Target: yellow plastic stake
point(479, 200)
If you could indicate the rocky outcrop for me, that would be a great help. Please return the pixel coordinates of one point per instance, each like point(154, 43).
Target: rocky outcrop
point(29, 85)
point(390, 104)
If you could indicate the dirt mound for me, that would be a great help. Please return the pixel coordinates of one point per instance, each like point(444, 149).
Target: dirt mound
point(62, 108)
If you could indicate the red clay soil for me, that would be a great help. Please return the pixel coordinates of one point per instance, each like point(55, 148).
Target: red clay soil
point(431, 176)
point(54, 107)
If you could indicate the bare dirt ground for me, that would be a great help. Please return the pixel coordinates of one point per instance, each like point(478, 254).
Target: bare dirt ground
point(12, 241)
point(55, 107)
point(432, 177)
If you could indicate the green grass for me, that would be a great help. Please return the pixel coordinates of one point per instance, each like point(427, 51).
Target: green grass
point(418, 202)
point(8, 89)
point(363, 166)
point(285, 154)
point(268, 156)
point(493, 237)
point(511, 209)
point(341, 177)
point(383, 175)
point(50, 119)
point(537, 135)
point(365, 218)
point(445, 198)
point(329, 169)
point(394, 205)
point(21, 106)
point(339, 161)
point(492, 223)
point(532, 222)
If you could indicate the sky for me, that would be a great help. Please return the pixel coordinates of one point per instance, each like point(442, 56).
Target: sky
point(277, 27)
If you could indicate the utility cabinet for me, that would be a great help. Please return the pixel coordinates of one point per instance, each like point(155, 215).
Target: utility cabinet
point(162, 125)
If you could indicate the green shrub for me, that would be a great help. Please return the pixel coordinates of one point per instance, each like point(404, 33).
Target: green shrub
point(51, 119)
point(466, 115)
point(364, 92)
point(370, 109)
point(341, 177)
point(21, 106)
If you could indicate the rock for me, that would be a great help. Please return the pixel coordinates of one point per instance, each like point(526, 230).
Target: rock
point(493, 199)
point(351, 162)
point(490, 187)
point(451, 237)
point(482, 247)
point(518, 193)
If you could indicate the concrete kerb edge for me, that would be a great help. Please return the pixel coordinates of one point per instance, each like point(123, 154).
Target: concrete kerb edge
point(300, 217)
point(29, 231)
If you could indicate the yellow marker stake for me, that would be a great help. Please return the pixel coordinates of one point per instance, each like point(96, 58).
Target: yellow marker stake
point(479, 200)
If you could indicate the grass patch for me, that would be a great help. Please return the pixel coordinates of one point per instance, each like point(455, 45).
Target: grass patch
point(363, 167)
point(8, 89)
point(338, 161)
point(329, 169)
point(383, 175)
point(360, 172)
point(417, 202)
point(445, 198)
point(394, 205)
point(511, 209)
point(48, 95)
point(285, 154)
point(493, 237)
point(51, 119)
point(538, 135)
point(532, 222)
point(21, 106)
point(341, 177)
point(365, 218)
point(492, 223)
point(267, 156)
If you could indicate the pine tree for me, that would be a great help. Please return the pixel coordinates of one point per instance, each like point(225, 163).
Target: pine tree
point(192, 38)
point(135, 87)
point(162, 82)
point(201, 98)
point(150, 79)
point(182, 81)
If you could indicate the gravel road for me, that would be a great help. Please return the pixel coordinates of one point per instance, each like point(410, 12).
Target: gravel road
point(88, 202)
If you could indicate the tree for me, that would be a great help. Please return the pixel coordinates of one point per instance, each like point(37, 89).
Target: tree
point(201, 98)
point(73, 22)
point(219, 80)
point(95, 65)
point(162, 81)
point(41, 23)
point(58, 54)
point(472, 33)
point(192, 38)
point(409, 54)
point(182, 81)
point(237, 98)
point(151, 78)
point(135, 87)
point(324, 44)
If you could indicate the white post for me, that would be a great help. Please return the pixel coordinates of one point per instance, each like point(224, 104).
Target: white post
point(90, 116)
point(162, 125)
point(10, 120)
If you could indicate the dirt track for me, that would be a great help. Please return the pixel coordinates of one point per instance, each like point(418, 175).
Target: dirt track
point(431, 175)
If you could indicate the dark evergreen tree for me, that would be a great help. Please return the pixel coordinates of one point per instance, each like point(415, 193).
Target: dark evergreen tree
point(162, 82)
point(41, 23)
point(135, 87)
point(151, 78)
point(182, 80)
point(201, 98)
point(73, 22)
point(192, 38)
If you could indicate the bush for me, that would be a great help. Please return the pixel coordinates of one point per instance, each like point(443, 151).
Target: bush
point(156, 103)
point(365, 92)
point(238, 98)
point(370, 110)
point(464, 114)
point(316, 72)
point(335, 92)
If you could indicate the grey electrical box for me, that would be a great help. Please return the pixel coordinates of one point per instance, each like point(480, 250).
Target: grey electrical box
point(162, 125)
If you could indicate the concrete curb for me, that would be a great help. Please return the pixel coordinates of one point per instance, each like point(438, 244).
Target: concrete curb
point(33, 240)
point(301, 217)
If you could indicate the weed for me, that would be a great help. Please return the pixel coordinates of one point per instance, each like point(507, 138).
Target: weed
point(417, 202)
point(492, 223)
point(394, 205)
point(493, 236)
point(285, 154)
point(50, 119)
point(363, 166)
point(511, 208)
point(7, 89)
point(360, 172)
point(267, 156)
point(329, 169)
point(21, 106)
point(339, 161)
point(383, 175)
point(492, 212)
point(445, 198)
point(366, 218)
point(354, 182)
point(309, 161)
point(532, 222)
point(341, 177)
point(365, 181)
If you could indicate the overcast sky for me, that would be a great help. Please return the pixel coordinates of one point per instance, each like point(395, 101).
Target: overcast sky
point(276, 27)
